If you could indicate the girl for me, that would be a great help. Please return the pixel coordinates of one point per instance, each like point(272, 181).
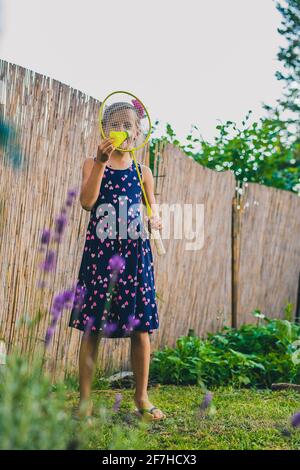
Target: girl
point(110, 182)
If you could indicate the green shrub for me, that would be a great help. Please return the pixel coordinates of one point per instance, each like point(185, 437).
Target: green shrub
point(36, 414)
point(32, 413)
point(264, 152)
point(252, 355)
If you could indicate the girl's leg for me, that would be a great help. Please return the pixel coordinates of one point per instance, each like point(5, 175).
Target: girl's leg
point(140, 361)
point(87, 358)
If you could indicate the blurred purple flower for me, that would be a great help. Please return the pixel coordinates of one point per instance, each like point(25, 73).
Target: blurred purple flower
point(68, 297)
point(60, 224)
point(61, 301)
point(71, 195)
point(132, 322)
point(206, 401)
point(45, 238)
point(88, 326)
point(71, 296)
point(116, 263)
point(49, 334)
point(109, 328)
point(50, 261)
point(58, 302)
point(56, 313)
point(80, 293)
point(295, 420)
point(118, 399)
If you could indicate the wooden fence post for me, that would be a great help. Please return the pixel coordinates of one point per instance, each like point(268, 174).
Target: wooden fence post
point(237, 210)
point(297, 314)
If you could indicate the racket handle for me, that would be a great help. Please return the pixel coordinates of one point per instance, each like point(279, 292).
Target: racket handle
point(158, 242)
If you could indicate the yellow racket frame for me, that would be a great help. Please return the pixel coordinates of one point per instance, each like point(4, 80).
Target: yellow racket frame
point(101, 113)
point(149, 210)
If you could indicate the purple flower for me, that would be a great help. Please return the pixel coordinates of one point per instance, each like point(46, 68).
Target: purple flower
point(116, 263)
point(88, 326)
point(206, 401)
point(68, 297)
point(45, 238)
point(71, 195)
point(57, 306)
point(49, 334)
point(118, 399)
point(80, 290)
point(59, 301)
point(132, 322)
point(56, 313)
point(295, 420)
point(110, 328)
point(60, 223)
point(49, 263)
point(79, 296)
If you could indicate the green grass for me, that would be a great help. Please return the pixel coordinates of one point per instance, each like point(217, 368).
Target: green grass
point(244, 419)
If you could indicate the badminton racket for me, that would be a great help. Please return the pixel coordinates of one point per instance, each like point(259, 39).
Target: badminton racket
point(115, 122)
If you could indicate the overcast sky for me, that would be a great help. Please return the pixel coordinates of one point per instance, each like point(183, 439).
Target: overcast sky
point(191, 61)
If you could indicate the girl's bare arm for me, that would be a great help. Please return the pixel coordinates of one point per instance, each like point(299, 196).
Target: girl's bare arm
point(92, 174)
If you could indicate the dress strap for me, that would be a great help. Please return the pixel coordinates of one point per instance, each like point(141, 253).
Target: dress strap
point(140, 169)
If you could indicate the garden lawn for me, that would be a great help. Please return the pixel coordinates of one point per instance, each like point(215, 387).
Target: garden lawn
point(244, 419)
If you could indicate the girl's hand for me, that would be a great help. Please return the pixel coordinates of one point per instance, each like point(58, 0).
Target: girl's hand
point(155, 222)
point(104, 151)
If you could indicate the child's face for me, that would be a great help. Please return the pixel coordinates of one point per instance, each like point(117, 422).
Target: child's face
point(124, 121)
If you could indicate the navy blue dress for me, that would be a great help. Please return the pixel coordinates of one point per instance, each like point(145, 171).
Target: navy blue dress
point(132, 297)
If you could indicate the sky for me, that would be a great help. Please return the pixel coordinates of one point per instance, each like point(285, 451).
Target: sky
point(191, 62)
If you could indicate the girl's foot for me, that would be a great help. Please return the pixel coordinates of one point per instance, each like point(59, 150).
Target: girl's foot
point(147, 409)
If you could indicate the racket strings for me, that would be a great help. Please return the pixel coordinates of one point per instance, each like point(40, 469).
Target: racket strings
point(125, 119)
point(121, 113)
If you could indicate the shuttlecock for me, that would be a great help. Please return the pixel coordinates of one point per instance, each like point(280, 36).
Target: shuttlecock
point(118, 137)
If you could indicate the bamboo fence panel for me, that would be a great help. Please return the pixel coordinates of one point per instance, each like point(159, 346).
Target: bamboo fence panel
point(194, 285)
point(269, 264)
